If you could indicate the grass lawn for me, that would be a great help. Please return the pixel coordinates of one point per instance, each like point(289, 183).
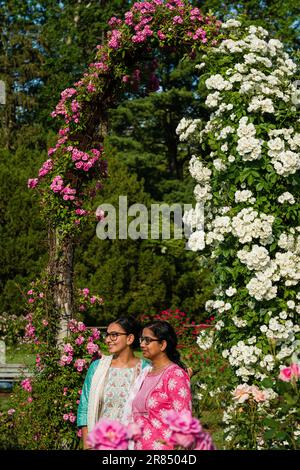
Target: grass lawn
point(20, 354)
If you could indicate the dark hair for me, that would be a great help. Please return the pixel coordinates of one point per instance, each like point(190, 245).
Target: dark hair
point(131, 326)
point(163, 330)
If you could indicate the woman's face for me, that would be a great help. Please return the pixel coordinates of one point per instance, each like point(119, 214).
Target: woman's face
point(116, 338)
point(150, 345)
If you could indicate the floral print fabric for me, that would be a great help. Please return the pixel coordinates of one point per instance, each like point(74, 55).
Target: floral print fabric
point(170, 391)
point(116, 391)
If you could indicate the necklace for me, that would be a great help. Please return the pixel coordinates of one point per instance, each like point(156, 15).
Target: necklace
point(156, 369)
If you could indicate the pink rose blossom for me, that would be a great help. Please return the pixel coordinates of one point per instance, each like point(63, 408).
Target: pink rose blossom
point(108, 435)
point(161, 35)
point(79, 340)
point(80, 364)
point(11, 411)
point(66, 417)
point(68, 348)
point(32, 183)
point(258, 395)
point(134, 431)
point(184, 427)
point(241, 393)
point(100, 215)
point(26, 385)
point(81, 326)
point(204, 442)
point(288, 374)
point(92, 348)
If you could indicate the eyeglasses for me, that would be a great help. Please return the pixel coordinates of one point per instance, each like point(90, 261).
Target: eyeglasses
point(113, 335)
point(147, 339)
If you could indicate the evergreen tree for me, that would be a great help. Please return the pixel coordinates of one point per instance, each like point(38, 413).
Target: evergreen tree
point(20, 69)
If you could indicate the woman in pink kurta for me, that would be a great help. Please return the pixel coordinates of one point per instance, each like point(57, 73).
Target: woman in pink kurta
point(166, 387)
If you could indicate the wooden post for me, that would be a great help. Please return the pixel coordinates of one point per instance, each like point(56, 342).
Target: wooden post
point(60, 271)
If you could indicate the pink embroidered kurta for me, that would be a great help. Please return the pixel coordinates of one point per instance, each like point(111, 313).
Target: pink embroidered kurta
point(169, 390)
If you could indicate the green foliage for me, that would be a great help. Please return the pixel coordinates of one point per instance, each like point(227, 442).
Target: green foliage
point(137, 276)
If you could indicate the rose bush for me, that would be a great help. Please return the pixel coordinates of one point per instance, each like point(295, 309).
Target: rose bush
point(45, 405)
point(246, 166)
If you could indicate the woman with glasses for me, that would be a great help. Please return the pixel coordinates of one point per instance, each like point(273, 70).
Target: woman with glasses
point(107, 386)
point(165, 387)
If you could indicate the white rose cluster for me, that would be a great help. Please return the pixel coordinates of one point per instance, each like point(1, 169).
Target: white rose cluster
point(194, 218)
point(244, 196)
point(288, 261)
point(217, 82)
point(248, 224)
point(256, 84)
point(281, 331)
point(186, 128)
point(205, 339)
point(231, 291)
point(217, 229)
point(256, 259)
point(198, 171)
point(196, 241)
point(283, 149)
point(218, 305)
point(261, 288)
point(239, 322)
point(259, 103)
point(248, 146)
point(286, 197)
point(243, 357)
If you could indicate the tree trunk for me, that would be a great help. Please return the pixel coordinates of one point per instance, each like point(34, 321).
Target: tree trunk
point(60, 271)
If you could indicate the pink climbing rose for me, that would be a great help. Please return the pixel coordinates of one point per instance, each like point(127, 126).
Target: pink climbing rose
point(288, 374)
point(108, 435)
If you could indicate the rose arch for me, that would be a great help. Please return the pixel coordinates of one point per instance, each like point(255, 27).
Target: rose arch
point(77, 167)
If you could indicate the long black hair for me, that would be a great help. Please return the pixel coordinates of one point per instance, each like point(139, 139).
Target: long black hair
point(163, 330)
point(131, 326)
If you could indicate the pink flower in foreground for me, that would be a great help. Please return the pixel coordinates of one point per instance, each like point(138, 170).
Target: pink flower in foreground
point(204, 442)
point(288, 374)
point(108, 435)
point(134, 431)
point(184, 427)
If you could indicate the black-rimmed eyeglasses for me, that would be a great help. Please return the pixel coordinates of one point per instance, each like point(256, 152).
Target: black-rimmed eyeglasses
point(113, 335)
point(147, 339)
